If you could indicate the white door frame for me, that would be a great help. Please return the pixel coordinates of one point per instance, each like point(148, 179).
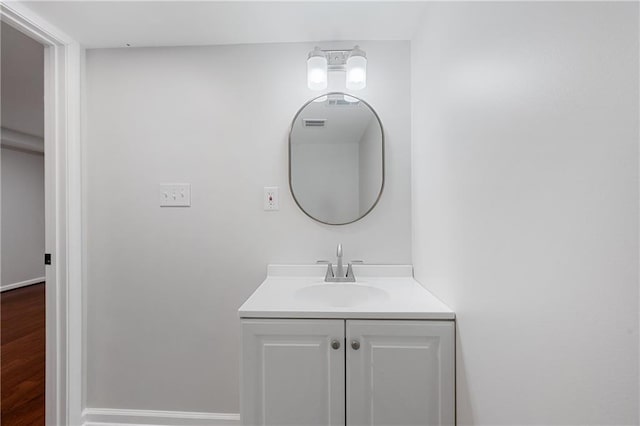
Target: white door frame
point(63, 213)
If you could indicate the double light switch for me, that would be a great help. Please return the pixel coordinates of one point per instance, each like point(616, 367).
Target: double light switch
point(175, 195)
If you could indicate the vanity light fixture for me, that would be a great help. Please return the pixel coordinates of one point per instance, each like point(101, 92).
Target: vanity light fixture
point(357, 69)
point(352, 61)
point(317, 70)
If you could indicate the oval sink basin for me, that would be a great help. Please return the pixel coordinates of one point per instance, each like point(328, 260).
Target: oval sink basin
point(340, 294)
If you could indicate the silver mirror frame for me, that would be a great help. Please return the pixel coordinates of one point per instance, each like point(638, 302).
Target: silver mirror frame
point(383, 157)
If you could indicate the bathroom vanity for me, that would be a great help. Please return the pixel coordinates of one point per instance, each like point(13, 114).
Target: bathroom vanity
point(379, 351)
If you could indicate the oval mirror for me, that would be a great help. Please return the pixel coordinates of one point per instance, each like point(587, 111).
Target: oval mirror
point(336, 158)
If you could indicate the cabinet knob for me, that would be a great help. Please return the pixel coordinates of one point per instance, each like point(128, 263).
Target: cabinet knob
point(355, 345)
point(335, 344)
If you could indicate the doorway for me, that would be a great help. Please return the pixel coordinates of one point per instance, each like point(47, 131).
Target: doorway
point(22, 224)
point(63, 58)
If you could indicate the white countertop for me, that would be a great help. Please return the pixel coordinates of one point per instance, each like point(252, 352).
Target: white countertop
point(404, 297)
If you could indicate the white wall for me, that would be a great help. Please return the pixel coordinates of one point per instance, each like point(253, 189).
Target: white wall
point(22, 80)
point(22, 217)
point(164, 285)
point(525, 214)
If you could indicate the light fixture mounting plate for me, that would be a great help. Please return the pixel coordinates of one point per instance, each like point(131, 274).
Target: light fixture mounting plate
point(337, 59)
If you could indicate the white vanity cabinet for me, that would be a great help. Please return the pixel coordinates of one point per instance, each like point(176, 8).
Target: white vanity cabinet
point(379, 351)
point(347, 372)
point(291, 375)
point(402, 373)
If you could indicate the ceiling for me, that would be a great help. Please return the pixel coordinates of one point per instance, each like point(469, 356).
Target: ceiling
point(100, 24)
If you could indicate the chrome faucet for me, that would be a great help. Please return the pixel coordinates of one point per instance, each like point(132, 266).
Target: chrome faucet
point(339, 276)
point(340, 268)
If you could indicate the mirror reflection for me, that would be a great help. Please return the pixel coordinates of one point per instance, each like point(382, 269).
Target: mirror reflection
point(336, 158)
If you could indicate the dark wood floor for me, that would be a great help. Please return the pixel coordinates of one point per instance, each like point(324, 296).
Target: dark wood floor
point(23, 356)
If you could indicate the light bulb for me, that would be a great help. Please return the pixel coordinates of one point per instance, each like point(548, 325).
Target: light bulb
point(357, 70)
point(317, 70)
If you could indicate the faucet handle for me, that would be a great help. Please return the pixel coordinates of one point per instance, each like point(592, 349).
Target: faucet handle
point(329, 276)
point(350, 268)
point(339, 250)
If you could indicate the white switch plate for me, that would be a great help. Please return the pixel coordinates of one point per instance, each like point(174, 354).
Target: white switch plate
point(271, 198)
point(175, 195)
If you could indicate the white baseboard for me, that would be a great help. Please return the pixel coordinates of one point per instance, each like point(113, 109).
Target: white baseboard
point(21, 284)
point(115, 417)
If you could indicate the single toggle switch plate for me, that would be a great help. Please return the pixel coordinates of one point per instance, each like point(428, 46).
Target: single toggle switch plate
point(271, 198)
point(175, 195)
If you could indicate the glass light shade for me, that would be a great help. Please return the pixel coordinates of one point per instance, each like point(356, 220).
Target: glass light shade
point(357, 72)
point(317, 72)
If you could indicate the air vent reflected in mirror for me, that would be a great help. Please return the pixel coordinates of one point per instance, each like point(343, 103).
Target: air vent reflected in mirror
point(347, 101)
point(314, 122)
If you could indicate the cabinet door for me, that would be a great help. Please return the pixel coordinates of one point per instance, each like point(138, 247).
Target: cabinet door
point(291, 373)
point(402, 373)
